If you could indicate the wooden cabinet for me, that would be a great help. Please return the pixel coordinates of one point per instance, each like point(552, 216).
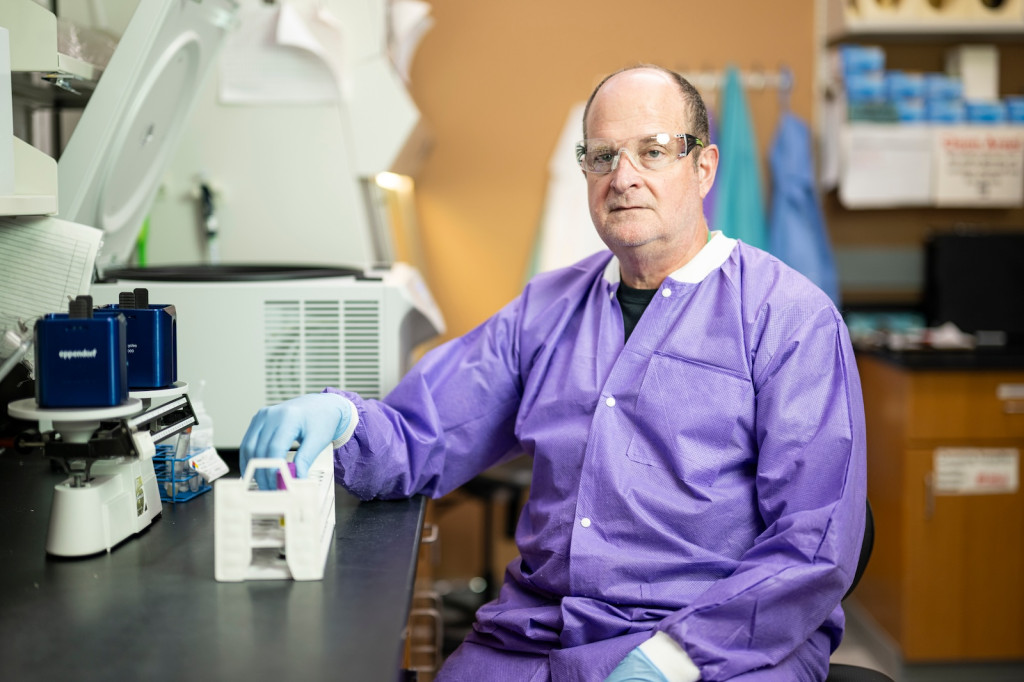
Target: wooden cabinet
point(946, 579)
point(425, 630)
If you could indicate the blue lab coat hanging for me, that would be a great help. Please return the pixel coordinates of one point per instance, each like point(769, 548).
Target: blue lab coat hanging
point(796, 223)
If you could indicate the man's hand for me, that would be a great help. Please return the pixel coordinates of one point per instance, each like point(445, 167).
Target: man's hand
point(314, 420)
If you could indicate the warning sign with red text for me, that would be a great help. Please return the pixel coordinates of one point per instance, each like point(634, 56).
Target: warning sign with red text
point(979, 166)
point(976, 471)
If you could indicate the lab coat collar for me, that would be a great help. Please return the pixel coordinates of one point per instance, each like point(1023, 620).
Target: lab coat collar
point(708, 259)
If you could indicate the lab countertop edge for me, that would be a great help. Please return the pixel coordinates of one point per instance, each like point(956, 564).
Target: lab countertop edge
point(981, 359)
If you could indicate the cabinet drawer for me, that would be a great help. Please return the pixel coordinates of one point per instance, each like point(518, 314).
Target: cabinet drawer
point(966, 405)
point(962, 594)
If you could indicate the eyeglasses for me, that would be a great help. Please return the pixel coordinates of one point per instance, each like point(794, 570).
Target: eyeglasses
point(653, 152)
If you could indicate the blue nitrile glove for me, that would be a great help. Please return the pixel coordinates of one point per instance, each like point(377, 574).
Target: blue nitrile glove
point(636, 667)
point(314, 420)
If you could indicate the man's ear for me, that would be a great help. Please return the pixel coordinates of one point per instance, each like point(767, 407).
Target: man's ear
point(707, 167)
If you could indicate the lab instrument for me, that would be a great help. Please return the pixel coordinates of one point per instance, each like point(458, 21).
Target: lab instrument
point(151, 339)
point(81, 358)
point(111, 490)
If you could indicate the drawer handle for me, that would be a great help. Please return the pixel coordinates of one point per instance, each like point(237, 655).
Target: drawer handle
point(929, 495)
point(431, 648)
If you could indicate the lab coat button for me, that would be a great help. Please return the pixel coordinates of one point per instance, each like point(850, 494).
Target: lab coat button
point(585, 522)
point(610, 402)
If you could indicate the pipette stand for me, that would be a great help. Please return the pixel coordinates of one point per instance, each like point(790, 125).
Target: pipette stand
point(120, 500)
point(111, 491)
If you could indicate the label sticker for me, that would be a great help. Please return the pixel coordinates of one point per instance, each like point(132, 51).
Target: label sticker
point(976, 471)
point(140, 496)
point(209, 464)
point(1010, 391)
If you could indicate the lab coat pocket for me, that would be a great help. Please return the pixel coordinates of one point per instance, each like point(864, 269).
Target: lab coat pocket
point(691, 419)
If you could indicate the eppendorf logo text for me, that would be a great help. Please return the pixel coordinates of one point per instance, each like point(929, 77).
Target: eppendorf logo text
point(77, 354)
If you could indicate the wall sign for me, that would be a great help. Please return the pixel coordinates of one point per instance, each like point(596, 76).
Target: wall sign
point(976, 471)
point(979, 166)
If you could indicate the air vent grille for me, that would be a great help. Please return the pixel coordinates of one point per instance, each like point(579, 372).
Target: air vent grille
point(302, 347)
point(322, 345)
point(282, 337)
point(362, 347)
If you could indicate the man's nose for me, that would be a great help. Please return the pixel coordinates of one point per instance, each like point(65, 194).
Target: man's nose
point(625, 171)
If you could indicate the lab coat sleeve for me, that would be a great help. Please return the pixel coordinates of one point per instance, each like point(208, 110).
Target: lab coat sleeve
point(810, 487)
point(451, 417)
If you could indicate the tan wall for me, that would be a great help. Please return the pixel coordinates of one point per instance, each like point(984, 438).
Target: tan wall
point(495, 82)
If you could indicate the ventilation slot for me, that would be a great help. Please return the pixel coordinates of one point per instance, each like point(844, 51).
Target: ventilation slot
point(282, 337)
point(362, 348)
point(303, 347)
point(322, 345)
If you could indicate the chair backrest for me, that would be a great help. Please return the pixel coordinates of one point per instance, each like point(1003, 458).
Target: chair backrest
point(867, 543)
point(838, 672)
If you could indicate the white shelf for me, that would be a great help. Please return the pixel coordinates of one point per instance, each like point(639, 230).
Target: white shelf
point(34, 45)
point(73, 69)
point(28, 205)
point(32, 32)
point(35, 183)
point(917, 19)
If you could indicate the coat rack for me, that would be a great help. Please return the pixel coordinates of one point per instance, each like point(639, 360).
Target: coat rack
point(752, 79)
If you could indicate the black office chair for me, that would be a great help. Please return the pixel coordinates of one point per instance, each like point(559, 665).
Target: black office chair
point(842, 672)
point(506, 484)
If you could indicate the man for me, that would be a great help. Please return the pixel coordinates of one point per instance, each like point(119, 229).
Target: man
point(694, 414)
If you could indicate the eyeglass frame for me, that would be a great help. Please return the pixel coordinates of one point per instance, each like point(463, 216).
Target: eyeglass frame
point(691, 143)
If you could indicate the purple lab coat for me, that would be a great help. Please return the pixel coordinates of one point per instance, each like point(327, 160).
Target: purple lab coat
point(706, 479)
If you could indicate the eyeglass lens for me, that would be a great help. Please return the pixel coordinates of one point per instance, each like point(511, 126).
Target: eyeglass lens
point(650, 151)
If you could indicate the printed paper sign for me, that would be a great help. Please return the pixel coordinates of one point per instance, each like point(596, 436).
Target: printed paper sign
point(979, 166)
point(1010, 391)
point(886, 165)
point(976, 471)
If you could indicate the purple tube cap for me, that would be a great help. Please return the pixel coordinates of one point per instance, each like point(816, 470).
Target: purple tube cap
point(280, 479)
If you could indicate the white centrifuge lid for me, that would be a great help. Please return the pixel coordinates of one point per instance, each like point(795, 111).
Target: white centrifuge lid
point(117, 156)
